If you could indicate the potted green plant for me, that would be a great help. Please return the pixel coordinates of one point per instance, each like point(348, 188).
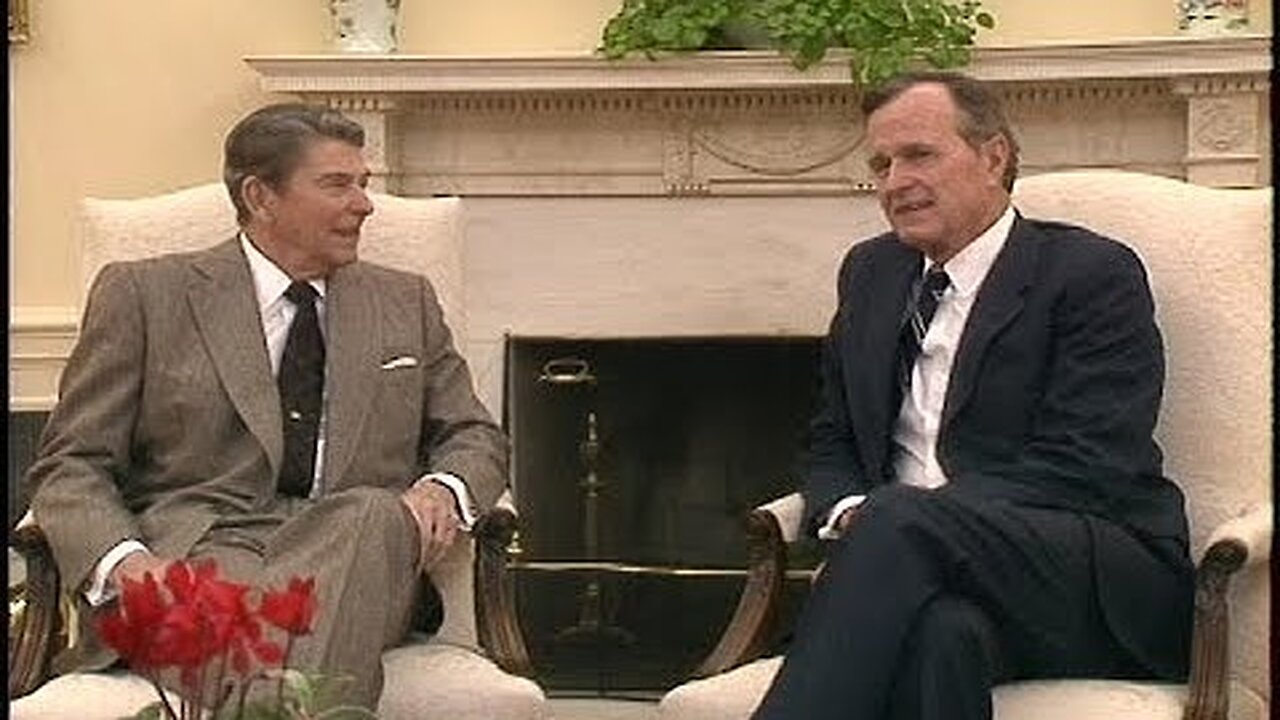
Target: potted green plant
point(881, 36)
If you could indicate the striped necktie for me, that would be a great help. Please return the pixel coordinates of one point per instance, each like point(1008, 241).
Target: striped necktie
point(911, 337)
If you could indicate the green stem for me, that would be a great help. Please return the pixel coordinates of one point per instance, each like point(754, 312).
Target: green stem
point(164, 699)
point(284, 663)
point(201, 675)
point(354, 710)
point(222, 692)
point(243, 696)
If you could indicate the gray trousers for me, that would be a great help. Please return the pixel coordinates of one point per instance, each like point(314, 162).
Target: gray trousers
point(361, 545)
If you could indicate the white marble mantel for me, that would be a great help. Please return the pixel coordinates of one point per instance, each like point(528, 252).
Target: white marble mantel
point(400, 73)
point(747, 123)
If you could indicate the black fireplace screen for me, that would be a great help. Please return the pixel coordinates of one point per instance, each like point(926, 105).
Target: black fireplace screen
point(636, 460)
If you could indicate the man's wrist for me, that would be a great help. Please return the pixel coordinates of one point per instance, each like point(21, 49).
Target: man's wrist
point(461, 495)
point(102, 588)
point(831, 529)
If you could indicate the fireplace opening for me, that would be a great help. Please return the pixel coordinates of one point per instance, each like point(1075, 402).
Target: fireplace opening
point(635, 463)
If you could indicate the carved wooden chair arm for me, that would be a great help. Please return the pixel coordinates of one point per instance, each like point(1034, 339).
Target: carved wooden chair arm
point(496, 619)
point(34, 620)
point(769, 527)
point(1241, 541)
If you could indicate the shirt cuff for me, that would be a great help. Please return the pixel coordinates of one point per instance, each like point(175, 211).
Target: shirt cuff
point(461, 495)
point(829, 530)
point(100, 592)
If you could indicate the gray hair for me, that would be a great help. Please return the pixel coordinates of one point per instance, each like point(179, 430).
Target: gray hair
point(269, 142)
point(981, 112)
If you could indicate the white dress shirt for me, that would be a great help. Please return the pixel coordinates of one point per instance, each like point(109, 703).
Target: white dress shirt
point(915, 433)
point(276, 312)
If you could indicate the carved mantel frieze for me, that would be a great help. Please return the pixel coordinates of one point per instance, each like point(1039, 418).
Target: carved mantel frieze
point(746, 123)
point(1228, 128)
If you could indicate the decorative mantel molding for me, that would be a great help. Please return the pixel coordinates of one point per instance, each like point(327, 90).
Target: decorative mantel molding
point(744, 70)
point(748, 123)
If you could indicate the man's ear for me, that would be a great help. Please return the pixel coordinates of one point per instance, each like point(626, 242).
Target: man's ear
point(995, 153)
point(258, 197)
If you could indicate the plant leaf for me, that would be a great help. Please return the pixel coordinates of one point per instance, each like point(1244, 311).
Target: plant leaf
point(346, 712)
point(883, 36)
point(154, 711)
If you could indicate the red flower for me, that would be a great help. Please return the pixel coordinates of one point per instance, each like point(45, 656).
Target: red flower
point(132, 627)
point(293, 609)
point(179, 638)
point(223, 606)
point(203, 625)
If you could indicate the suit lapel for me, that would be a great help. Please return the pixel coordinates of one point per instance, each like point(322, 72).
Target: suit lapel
point(876, 350)
point(225, 309)
point(999, 301)
point(352, 347)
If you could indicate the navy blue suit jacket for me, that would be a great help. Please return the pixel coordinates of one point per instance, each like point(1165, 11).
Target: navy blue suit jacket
point(1052, 402)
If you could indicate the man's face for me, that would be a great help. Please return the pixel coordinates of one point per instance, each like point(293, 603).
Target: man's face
point(937, 192)
point(311, 225)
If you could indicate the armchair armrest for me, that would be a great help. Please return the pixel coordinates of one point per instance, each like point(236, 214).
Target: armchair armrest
point(769, 527)
point(1250, 533)
point(496, 619)
point(34, 628)
point(788, 511)
point(1240, 541)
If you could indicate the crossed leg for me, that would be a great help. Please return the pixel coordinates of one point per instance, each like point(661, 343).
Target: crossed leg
point(933, 596)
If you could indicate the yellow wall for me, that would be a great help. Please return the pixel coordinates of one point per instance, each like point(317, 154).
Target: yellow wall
point(117, 99)
point(1029, 21)
point(128, 98)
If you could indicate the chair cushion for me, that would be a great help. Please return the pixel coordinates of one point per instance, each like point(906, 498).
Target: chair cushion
point(734, 694)
point(421, 680)
point(728, 696)
point(88, 696)
point(1108, 700)
point(440, 680)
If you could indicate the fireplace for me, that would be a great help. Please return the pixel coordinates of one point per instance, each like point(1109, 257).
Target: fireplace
point(668, 301)
point(637, 461)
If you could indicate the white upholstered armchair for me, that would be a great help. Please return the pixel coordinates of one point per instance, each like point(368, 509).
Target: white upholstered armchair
point(1208, 253)
point(469, 669)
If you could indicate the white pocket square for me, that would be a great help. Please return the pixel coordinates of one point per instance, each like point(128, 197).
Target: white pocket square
point(404, 361)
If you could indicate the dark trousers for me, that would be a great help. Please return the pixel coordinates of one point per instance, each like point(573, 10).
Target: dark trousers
point(931, 598)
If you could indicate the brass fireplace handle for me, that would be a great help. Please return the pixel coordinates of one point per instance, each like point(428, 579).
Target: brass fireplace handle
point(566, 371)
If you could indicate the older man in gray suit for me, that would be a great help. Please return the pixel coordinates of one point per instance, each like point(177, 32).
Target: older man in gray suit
point(272, 403)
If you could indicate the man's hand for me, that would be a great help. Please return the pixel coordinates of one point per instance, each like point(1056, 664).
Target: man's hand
point(434, 508)
point(846, 517)
point(134, 566)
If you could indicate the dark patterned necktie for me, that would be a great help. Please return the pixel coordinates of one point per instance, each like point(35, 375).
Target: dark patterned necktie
point(301, 382)
point(911, 337)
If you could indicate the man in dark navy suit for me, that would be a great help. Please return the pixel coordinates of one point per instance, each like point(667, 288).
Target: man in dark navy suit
point(982, 461)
